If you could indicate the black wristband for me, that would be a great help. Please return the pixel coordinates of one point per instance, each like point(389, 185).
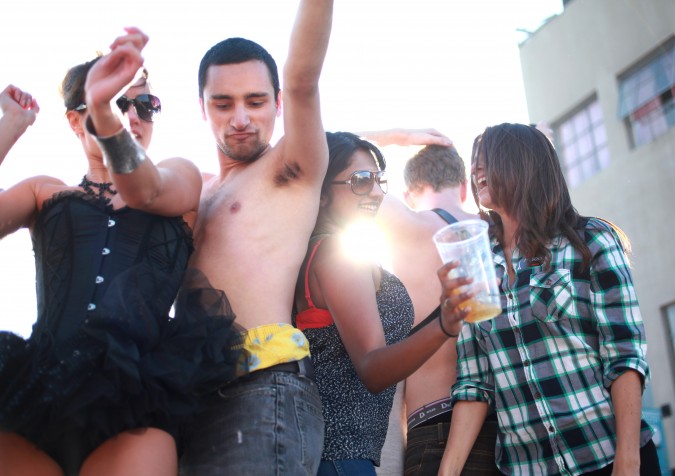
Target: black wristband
point(440, 323)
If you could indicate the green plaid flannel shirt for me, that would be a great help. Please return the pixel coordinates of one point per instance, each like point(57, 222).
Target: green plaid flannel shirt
point(547, 363)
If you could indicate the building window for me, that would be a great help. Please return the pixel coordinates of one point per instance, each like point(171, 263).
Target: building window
point(669, 313)
point(646, 96)
point(581, 141)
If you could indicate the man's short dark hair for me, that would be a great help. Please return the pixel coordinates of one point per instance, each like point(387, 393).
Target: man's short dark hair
point(437, 166)
point(235, 51)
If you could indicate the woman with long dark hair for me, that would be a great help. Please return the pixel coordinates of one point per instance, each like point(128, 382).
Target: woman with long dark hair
point(564, 364)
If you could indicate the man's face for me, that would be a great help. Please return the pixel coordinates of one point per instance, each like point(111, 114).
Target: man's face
point(239, 105)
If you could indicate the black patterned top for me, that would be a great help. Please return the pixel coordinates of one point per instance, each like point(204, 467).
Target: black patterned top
point(356, 420)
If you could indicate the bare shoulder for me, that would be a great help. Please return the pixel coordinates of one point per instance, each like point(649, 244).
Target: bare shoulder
point(179, 163)
point(45, 180)
point(45, 187)
point(207, 177)
point(34, 185)
point(336, 258)
point(43, 184)
point(24, 200)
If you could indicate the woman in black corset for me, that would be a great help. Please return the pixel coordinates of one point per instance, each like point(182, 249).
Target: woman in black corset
point(106, 377)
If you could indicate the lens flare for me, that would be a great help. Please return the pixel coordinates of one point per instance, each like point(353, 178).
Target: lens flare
point(364, 241)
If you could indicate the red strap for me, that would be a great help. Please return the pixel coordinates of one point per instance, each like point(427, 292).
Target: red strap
point(313, 317)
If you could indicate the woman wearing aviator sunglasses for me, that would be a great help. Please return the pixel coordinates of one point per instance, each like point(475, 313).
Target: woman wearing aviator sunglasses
point(357, 315)
point(106, 376)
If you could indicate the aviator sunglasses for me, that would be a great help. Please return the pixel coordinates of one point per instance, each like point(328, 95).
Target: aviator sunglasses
point(146, 106)
point(363, 181)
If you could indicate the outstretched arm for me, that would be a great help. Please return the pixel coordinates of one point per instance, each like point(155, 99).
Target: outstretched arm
point(19, 203)
point(171, 188)
point(304, 141)
point(357, 319)
point(404, 137)
point(403, 225)
point(19, 110)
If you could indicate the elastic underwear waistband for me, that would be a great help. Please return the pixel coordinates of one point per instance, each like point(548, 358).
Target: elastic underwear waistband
point(428, 411)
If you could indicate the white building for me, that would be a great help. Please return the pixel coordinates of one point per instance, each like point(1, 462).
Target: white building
point(602, 75)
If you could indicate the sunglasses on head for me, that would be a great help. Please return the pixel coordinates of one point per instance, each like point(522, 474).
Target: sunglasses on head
point(146, 105)
point(363, 181)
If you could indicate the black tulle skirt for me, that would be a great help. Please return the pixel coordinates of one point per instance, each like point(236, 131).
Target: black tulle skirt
point(125, 370)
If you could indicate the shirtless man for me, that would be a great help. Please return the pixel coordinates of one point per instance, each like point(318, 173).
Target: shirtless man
point(255, 220)
point(436, 189)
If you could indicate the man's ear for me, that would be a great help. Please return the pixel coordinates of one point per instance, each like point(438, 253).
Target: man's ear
point(76, 122)
point(278, 101)
point(463, 191)
point(409, 198)
point(201, 106)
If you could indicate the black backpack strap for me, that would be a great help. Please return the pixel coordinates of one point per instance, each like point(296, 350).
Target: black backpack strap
point(445, 215)
point(434, 314)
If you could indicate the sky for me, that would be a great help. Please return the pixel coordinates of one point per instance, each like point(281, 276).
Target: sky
point(452, 65)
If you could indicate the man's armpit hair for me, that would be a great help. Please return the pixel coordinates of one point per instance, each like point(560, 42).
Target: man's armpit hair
point(291, 171)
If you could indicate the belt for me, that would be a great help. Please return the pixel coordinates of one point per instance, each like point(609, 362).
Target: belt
point(302, 367)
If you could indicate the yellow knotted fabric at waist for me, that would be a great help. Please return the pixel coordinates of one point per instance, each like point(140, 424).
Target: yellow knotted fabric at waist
point(271, 344)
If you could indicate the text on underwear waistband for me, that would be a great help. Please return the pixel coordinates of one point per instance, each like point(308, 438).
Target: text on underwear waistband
point(428, 411)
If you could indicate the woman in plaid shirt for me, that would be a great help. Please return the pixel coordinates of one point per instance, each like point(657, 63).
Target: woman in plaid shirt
point(564, 364)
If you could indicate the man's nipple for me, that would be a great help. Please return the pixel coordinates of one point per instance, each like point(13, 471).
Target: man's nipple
point(235, 207)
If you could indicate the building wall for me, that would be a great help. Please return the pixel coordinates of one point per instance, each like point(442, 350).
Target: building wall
point(574, 56)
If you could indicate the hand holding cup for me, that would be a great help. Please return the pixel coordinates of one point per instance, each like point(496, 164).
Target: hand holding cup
point(467, 243)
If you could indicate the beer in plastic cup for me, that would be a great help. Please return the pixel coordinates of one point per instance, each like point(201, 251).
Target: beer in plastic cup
point(467, 243)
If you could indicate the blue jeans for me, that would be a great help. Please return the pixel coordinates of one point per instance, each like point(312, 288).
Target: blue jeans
point(346, 467)
point(265, 423)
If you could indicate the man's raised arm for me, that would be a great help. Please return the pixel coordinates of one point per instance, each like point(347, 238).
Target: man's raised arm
point(304, 137)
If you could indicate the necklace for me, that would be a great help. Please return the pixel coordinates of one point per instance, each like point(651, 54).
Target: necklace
point(103, 187)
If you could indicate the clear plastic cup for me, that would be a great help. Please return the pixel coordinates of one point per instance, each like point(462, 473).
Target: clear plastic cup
point(467, 243)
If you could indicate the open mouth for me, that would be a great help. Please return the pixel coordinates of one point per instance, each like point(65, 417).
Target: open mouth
point(370, 207)
point(481, 183)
